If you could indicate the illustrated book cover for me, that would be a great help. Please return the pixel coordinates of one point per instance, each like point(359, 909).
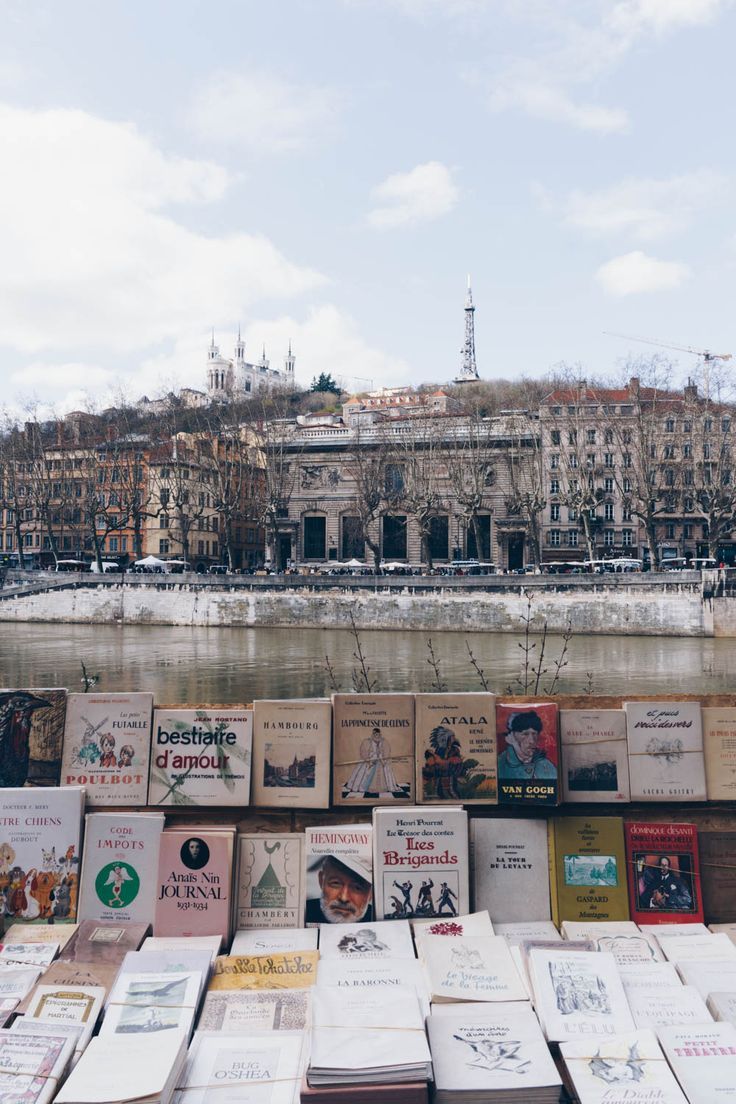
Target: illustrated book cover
point(245, 1010)
point(663, 872)
point(456, 748)
point(291, 753)
point(120, 866)
point(201, 757)
point(629, 1069)
point(31, 737)
point(271, 880)
point(195, 877)
point(338, 860)
point(471, 968)
point(107, 746)
point(577, 994)
point(373, 749)
point(665, 751)
point(594, 755)
point(528, 754)
point(719, 744)
point(587, 864)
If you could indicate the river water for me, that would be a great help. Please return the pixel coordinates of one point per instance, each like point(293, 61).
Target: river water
point(238, 664)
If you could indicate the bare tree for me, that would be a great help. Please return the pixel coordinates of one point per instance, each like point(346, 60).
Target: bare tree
point(367, 465)
point(277, 449)
point(471, 469)
point(423, 478)
point(526, 494)
point(13, 487)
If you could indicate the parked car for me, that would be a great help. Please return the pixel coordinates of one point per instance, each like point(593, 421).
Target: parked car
point(218, 569)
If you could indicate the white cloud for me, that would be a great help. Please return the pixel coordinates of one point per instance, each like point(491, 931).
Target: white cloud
point(92, 257)
point(634, 273)
point(633, 18)
point(547, 101)
point(424, 193)
point(262, 114)
point(644, 209)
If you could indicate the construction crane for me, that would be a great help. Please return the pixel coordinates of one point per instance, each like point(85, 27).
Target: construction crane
point(708, 357)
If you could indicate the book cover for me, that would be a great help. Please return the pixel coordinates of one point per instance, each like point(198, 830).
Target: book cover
point(40, 849)
point(456, 748)
point(195, 875)
point(420, 862)
point(270, 889)
point(663, 872)
point(718, 875)
point(517, 932)
point(587, 863)
point(363, 972)
point(338, 860)
point(264, 1069)
point(289, 970)
point(77, 1005)
point(201, 757)
point(719, 745)
point(373, 749)
point(120, 866)
point(376, 940)
point(528, 754)
point(107, 744)
point(27, 954)
point(291, 753)
point(152, 1002)
point(139, 1068)
point(509, 864)
point(682, 1004)
point(259, 941)
point(101, 943)
point(245, 1010)
point(628, 1069)
point(722, 1006)
point(711, 946)
point(31, 737)
point(471, 968)
point(473, 923)
point(665, 751)
point(703, 1059)
point(707, 975)
point(648, 976)
point(32, 1066)
point(595, 762)
point(577, 993)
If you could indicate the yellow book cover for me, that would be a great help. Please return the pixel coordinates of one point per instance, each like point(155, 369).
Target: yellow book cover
point(719, 745)
point(373, 749)
point(288, 970)
point(588, 869)
point(456, 748)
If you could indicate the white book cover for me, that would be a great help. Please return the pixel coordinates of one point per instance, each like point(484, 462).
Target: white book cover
point(475, 923)
point(703, 1059)
point(211, 943)
point(509, 861)
point(681, 948)
point(668, 931)
point(376, 940)
point(420, 862)
point(31, 1066)
point(622, 938)
point(120, 866)
point(243, 1069)
point(8, 1006)
point(471, 968)
point(291, 753)
point(359, 1031)
point(201, 757)
point(722, 1006)
point(370, 974)
point(648, 976)
point(17, 982)
point(271, 882)
point(74, 1005)
point(594, 755)
point(708, 975)
point(129, 1068)
point(626, 1069)
point(589, 929)
point(665, 751)
point(578, 993)
point(107, 745)
point(27, 954)
point(26, 1026)
point(482, 1049)
point(182, 960)
point(245, 1010)
point(41, 838)
point(260, 941)
point(152, 1003)
point(680, 1004)
point(517, 932)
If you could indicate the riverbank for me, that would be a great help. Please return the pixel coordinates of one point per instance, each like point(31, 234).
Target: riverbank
point(621, 605)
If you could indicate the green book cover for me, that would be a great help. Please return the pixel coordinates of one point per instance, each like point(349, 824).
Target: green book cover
point(588, 869)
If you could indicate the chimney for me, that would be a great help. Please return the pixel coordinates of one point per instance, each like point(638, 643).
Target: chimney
point(634, 386)
point(690, 390)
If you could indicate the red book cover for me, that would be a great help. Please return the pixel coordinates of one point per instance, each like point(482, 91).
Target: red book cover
point(528, 753)
point(195, 877)
point(663, 873)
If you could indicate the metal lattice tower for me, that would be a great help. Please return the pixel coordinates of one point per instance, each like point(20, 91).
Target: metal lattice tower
point(468, 369)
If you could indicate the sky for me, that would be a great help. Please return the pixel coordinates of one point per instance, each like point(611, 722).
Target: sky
point(327, 172)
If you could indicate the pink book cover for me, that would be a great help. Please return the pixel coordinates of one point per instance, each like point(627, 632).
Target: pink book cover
point(195, 876)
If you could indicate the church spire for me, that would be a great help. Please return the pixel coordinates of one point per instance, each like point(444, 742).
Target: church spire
point(468, 369)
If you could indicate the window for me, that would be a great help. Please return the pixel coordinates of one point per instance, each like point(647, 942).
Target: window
point(554, 486)
point(352, 544)
point(627, 485)
point(573, 460)
point(608, 437)
point(483, 524)
point(608, 485)
point(394, 479)
point(572, 514)
point(590, 459)
point(687, 426)
point(163, 521)
point(626, 460)
point(688, 477)
point(688, 505)
point(626, 512)
point(438, 538)
point(669, 477)
point(652, 452)
point(669, 425)
point(608, 459)
point(163, 547)
point(627, 437)
point(200, 548)
point(708, 425)
point(214, 548)
point(28, 540)
point(164, 495)
point(706, 451)
point(315, 543)
point(555, 436)
point(725, 425)
point(394, 537)
point(608, 511)
point(557, 410)
point(669, 530)
point(554, 512)
point(554, 461)
point(124, 544)
point(609, 537)
point(572, 437)
point(572, 538)
point(687, 451)
point(554, 538)
point(590, 437)
point(687, 531)
point(668, 452)
point(627, 537)
point(113, 544)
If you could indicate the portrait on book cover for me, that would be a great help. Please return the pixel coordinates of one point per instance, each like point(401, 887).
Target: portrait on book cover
point(664, 882)
point(339, 890)
point(527, 744)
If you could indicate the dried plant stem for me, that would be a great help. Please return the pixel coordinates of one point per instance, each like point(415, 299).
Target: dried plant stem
point(437, 684)
point(362, 681)
point(477, 668)
point(331, 674)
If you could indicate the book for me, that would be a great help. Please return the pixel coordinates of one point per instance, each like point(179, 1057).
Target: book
point(594, 755)
point(246, 1010)
point(40, 933)
point(703, 1059)
point(338, 860)
point(372, 973)
point(587, 864)
point(456, 748)
point(517, 932)
point(577, 993)
point(482, 1053)
point(722, 1006)
point(623, 939)
point(195, 876)
point(668, 930)
point(475, 923)
point(291, 753)
point(373, 749)
point(152, 1003)
point(420, 862)
point(27, 954)
point(40, 841)
point(75, 1005)
point(707, 975)
point(297, 970)
point(243, 1068)
point(8, 1006)
point(718, 874)
point(471, 968)
point(681, 1004)
point(120, 866)
point(719, 746)
point(31, 1066)
point(665, 751)
point(210, 943)
point(629, 1068)
point(680, 948)
point(134, 1069)
point(107, 745)
point(648, 976)
point(259, 941)
point(528, 754)
point(509, 863)
point(201, 757)
point(31, 737)
point(376, 940)
point(270, 881)
point(17, 982)
point(663, 873)
point(101, 942)
point(173, 960)
point(729, 929)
